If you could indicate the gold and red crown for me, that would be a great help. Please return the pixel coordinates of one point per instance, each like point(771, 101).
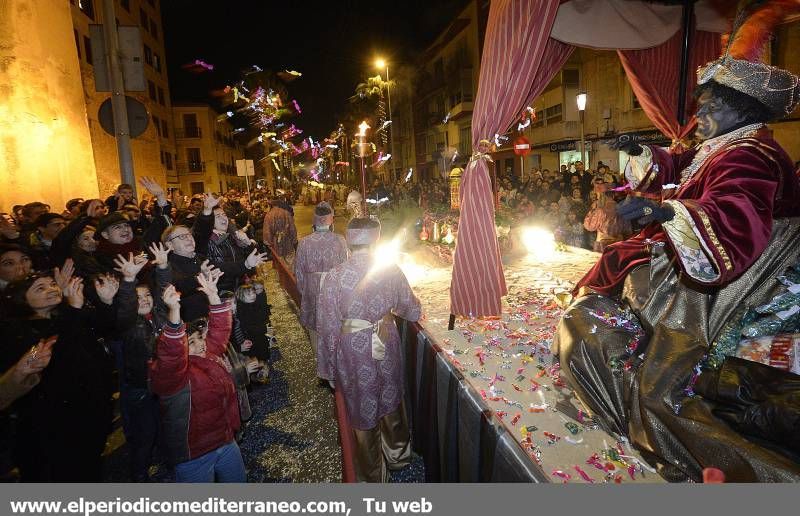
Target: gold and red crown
point(740, 66)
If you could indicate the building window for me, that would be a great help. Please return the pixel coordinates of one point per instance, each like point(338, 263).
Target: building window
point(148, 55)
point(553, 111)
point(190, 128)
point(168, 159)
point(465, 141)
point(78, 43)
point(87, 7)
point(157, 124)
point(87, 46)
point(143, 20)
point(164, 129)
point(156, 62)
point(151, 88)
point(162, 156)
point(126, 4)
point(161, 96)
point(193, 159)
point(154, 28)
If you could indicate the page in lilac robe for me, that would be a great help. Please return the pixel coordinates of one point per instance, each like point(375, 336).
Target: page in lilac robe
point(357, 290)
point(316, 253)
point(279, 231)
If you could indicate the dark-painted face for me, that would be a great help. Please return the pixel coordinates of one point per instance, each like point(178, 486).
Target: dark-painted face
point(715, 117)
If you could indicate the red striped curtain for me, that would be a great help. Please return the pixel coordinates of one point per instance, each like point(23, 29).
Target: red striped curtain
point(654, 74)
point(519, 60)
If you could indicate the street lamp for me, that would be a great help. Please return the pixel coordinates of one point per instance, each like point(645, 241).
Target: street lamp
point(380, 64)
point(581, 99)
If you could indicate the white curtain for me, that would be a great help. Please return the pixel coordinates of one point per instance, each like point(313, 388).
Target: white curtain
point(626, 24)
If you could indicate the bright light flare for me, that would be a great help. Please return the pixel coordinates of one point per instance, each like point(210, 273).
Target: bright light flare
point(388, 252)
point(414, 272)
point(380, 64)
point(539, 242)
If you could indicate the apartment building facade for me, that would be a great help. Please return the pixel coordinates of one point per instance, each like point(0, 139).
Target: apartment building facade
point(444, 92)
point(206, 150)
point(153, 151)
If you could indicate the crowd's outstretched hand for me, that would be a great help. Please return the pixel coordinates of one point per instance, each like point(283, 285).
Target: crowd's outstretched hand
point(208, 285)
point(131, 266)
point(255, 259)
point(160, 254)
point(155, 189)
point(209, 203)
point(106, 286)
point(74, 293)
point(27, 372)
point(64, 274)
point(206, 267)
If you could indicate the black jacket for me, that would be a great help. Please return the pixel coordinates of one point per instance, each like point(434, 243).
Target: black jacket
point(194, 303)
point(138, 333)
point(69, 413)
point(219, 253)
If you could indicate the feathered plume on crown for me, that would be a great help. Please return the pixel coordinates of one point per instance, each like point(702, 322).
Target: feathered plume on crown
point(753, 23)
point(740, 67)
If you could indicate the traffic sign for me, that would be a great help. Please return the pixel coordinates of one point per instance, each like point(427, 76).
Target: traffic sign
point(137, 117)
point(522, 146)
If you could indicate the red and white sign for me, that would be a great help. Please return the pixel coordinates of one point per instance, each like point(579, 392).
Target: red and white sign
point(522, 146)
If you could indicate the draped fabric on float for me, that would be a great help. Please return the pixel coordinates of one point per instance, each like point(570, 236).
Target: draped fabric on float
point(519, 60)
point(654, 74)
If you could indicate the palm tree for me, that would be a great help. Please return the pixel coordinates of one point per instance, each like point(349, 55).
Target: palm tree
point(369, 90)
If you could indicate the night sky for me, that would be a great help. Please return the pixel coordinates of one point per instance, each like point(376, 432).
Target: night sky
point(333, 44)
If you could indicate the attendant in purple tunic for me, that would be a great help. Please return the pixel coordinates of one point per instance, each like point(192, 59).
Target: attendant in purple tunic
point(360, 350)
point(316, 254)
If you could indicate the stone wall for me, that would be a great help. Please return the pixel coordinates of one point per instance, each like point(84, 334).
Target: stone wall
point(45, 145)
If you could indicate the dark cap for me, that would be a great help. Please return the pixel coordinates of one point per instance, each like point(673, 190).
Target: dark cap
point(110, 220)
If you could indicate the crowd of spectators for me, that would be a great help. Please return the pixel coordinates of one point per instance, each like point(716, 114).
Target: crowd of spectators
point(160, 301)
point(577, 204)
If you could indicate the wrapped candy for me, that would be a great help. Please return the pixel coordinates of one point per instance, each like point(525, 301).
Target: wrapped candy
point(779, 351)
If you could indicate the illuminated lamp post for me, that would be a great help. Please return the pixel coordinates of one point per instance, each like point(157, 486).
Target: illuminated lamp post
point(363, 152)
point(581, 99)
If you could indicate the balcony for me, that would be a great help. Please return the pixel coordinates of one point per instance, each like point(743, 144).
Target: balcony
point(190, 167)
point(462, 109)
point(188, 132)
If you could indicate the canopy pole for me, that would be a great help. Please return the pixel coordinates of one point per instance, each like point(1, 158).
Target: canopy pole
point(686, 27)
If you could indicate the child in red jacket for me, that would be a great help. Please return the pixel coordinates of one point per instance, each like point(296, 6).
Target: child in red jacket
point(200, 412)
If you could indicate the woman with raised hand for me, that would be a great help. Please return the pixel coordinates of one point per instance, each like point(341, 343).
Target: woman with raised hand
point(63, 421)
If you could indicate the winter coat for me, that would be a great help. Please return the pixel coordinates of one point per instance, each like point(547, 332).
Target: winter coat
point(67, 417)
point(219, 249)
point(184, 276)
point(199, 406)
point(138, 333)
